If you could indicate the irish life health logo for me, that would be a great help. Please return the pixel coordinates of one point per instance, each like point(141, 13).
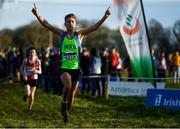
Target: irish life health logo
point(166, 101)
point(163, 98)
point(132, 25)
point(158, 100)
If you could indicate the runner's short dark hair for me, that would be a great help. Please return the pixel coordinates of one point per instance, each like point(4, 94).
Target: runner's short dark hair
point(70, 15)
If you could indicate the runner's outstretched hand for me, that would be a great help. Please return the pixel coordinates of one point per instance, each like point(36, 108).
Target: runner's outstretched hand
point(35, 10)
point(107, 13)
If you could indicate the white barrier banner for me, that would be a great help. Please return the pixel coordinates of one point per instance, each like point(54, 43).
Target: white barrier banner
point(118, 88)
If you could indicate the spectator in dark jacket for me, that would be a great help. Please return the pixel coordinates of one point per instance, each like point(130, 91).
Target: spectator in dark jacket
point(85, 65)
point(105, 69)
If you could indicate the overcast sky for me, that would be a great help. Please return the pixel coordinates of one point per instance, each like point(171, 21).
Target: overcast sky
point(15, 13)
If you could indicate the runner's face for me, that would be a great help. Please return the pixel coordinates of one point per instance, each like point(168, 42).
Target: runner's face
point(70, 24)
point(32, 53)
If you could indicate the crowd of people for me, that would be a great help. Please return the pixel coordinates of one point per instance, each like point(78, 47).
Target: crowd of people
point(166, 65)
point(95, 63)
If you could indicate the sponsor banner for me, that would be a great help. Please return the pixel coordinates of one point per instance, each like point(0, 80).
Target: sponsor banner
point(118, 88)
point(133, 31)
point(163, 98)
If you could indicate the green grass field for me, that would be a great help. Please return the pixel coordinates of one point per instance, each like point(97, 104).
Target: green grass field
point(88, 112)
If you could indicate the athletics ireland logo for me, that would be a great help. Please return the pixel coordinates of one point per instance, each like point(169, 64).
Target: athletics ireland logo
point(131, 26)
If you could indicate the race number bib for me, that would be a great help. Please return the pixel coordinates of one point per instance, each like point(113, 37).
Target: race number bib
point(70, 56)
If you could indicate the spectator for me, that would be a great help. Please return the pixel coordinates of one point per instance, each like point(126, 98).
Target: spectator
point(11, 63)
point(162, 67)
point(154, 62)
point(177, 67)
point(170, 65)
point(105, 69)
point(19, 59)
point(95, 70)
point(114, 61)
point(52, 68)
point(2, 66)
point(45, 71)
point(127, 67)
point(120, 67)
point(57, 71)
point(85, 67)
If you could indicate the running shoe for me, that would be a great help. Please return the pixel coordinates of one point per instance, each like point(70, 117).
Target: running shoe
point(64, 111)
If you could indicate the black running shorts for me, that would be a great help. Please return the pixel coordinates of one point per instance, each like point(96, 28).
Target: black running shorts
point(75, 73)
point(31, 83)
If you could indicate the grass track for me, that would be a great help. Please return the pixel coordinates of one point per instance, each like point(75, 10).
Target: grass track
point(88, 112)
